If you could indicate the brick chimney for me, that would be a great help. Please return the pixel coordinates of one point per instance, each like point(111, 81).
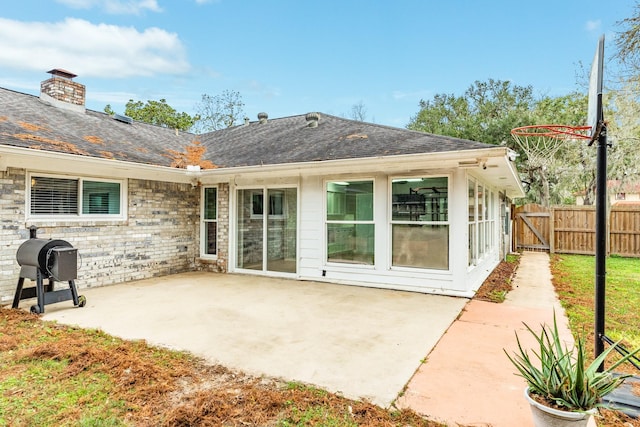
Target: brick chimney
point(60, 91)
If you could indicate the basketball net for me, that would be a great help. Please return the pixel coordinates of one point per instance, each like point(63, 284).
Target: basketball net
point(541, 142)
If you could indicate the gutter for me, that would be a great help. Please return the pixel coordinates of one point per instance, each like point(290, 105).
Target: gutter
point(65, 163)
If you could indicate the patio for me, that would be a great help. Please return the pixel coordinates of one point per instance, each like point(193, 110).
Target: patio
point(362, 342)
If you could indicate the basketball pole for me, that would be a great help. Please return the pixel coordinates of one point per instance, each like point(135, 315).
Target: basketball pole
point(601, 234)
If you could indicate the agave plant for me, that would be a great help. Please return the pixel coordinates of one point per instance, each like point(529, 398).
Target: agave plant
point(560, 374)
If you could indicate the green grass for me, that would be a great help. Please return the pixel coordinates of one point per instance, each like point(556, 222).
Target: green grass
point(574, 277)
point(316, 415)
point(511, 258)
point(40, 394)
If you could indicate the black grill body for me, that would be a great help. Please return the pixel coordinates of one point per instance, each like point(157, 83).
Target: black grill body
point(41, 259)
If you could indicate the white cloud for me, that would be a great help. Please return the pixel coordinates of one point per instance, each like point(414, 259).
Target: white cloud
point(260, 89)
point(19, 83)
point(593, 26)
point(90, 50)
point(110, 97)
point(116, 7)
point(419, 94)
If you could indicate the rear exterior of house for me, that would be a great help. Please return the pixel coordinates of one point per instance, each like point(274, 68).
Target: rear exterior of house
point(312, 197)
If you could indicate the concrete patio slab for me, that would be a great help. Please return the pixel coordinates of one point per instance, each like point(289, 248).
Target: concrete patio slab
point(364, 343)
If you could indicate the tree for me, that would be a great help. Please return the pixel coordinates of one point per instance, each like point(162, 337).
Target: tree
point(572, 168)
point(628, 44)
point(486, 112)
point(219, 111)
point(359, 112)
point(158, 113)
point(623, 132)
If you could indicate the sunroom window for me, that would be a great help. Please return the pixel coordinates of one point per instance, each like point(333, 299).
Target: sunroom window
point(74, 197)
point(420, 222)
point(482, 221)
point(350, 226)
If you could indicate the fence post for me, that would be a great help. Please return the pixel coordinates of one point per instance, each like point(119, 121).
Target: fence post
point(552, 226)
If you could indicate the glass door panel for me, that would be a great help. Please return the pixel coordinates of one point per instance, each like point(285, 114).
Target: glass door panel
point(267, 215)
point(250, 229)
point(282, 229)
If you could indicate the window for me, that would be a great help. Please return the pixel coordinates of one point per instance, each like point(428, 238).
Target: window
point(210, 221)
point(276, 204)
point(482, 221)
point(100, 198)
point(75, 197)
point(473, 247)
point(420, 222)
point(350, 226)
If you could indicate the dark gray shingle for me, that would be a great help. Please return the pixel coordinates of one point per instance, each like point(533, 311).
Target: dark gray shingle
point(290, 140)
point(27, 122)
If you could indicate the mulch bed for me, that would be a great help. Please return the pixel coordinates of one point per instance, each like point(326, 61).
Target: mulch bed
point(499, 281)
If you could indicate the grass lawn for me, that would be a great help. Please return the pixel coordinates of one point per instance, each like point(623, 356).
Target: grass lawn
point(574, 279)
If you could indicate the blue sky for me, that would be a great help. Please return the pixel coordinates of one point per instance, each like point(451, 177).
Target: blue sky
point(289, 57)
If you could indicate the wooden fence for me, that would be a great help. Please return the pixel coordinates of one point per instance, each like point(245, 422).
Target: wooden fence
point(572, 229)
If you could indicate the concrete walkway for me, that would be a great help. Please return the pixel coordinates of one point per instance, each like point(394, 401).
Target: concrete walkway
point(364, 343)
point(467, 379)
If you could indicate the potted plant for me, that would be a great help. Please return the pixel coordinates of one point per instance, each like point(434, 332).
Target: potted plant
point(562, 388)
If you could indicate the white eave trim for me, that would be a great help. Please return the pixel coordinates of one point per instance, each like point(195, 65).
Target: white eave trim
point(48, 161)
point(40, 160)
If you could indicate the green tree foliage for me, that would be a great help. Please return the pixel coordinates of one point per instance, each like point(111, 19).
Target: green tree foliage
point(623, 132)
point(486, 112)
point(219, 111)
point(159, 113)
point(572, 168)
point(628, 44)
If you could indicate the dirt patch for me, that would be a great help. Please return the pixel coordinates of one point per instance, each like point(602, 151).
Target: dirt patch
point(164, 388)
point(499, 283)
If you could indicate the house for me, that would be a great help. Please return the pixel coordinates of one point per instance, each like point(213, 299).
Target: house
point(620, 193)
point(310, 197)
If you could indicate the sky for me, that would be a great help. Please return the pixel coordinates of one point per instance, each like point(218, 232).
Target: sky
point(289, 57)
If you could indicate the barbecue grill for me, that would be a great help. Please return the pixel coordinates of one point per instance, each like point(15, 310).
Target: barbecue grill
point(41, 259)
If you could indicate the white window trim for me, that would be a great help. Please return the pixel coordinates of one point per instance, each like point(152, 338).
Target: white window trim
point(203, 221)
point(233, 228)
point(124, 191)
point(391, 222)
point(473, 261)
point(326, 222)
point(488, 222)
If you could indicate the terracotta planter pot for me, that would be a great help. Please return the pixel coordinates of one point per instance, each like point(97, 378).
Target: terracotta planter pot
point(544, 416)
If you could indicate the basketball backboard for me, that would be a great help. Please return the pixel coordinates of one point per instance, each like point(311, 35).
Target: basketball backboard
point(594, 112)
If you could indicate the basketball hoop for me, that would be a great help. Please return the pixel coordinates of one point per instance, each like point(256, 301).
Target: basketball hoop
point(541, 142)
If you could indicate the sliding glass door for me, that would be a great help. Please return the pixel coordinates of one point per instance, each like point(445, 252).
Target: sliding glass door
point(267, 229)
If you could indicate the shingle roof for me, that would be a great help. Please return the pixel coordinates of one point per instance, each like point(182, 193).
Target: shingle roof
point(290, 140)
point(26, 121)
